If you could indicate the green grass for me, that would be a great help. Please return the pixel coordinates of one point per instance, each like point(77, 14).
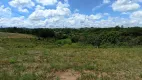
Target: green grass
point(31, 59)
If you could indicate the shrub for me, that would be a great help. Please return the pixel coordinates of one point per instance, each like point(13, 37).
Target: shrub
point(64, 41)
point(45, 33)
point(13, 60)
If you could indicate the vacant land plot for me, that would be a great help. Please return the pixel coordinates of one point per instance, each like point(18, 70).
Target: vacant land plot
point(31, 59)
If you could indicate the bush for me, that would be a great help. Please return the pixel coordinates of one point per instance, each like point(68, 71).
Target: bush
point(45, 33)
point(64, 41)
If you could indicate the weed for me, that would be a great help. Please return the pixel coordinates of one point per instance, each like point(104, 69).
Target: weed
point(141, 75)
point(28, 76)
point(57, 78)
point(13, 60)
point(19, 68)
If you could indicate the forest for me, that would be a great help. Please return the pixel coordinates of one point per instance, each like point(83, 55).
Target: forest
point(97, 37)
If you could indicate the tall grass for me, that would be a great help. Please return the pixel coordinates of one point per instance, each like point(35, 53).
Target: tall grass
point(31, 59)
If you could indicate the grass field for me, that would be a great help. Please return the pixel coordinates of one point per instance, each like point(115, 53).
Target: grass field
point(25, 58)
point(14, 35)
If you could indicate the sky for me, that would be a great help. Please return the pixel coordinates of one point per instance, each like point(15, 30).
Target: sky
point(70, 13)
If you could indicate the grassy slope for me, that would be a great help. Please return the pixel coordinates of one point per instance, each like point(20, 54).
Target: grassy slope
point(14, 35)
point(27, 59)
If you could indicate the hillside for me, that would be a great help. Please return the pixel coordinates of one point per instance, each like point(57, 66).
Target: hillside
point(14, 35)
point(97, 37)
point(31, 59)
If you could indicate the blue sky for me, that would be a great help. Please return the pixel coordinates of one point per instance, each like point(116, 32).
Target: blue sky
point(70, 13)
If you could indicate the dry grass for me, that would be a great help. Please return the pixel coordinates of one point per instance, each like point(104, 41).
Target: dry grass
point(14, 35)
point(29, 59)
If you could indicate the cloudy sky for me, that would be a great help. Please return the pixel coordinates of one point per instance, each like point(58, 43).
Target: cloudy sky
point(70, 13)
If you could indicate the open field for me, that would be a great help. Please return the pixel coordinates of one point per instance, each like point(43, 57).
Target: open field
point(14, 35)
point(30, 59)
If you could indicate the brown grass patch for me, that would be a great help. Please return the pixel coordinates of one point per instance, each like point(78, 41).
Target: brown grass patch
point(68, 75)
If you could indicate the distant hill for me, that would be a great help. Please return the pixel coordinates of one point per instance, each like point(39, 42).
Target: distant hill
point(15, 35)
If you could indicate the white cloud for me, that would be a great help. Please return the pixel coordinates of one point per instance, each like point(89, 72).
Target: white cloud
point(38, 7)
point(61, 10)
point(136, 17)
point(22, 4)
point(61, 5)
point(81, 20)
point(94, 17)
point(138, 0)
point(47, 2)
point(76, 11)
point(21, 22)
point(113, 21)
point(101, 5)
point(23, 10)
point(125, 13)
point(59, 17)
point(106, 14)
point(106, 1)
point(125, 5)
point(5, 12)
point(11, 22)
point(75, 20)
point(97, 7)
point(62, 16)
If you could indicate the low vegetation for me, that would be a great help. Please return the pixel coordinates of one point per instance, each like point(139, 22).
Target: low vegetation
point(71, 54)
point(43, 59)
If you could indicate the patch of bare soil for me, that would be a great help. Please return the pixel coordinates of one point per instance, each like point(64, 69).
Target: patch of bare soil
point(68, 75)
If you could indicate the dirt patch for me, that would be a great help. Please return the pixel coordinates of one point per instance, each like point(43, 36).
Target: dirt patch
point(89, 72)
point(4, 62)
point(68, 75)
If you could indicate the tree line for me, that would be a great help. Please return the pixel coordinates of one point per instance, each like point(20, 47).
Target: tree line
point(98, 37)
